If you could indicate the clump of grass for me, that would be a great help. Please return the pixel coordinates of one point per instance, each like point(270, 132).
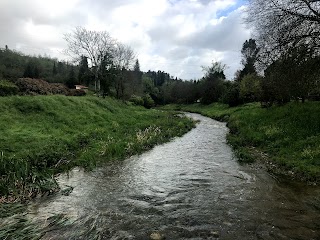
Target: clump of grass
point(44, 135)
point(289, 134)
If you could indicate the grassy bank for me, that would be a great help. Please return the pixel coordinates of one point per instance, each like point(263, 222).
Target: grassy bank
point(288, 135)
point(44, 135)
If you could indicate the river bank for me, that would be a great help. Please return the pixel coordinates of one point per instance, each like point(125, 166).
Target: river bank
point(286, 138)
point(189, 188)
point(45, 135)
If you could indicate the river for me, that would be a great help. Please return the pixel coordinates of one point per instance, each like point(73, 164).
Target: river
point(190, 188)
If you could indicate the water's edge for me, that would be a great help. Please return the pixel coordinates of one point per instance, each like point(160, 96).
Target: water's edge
point(190, 188)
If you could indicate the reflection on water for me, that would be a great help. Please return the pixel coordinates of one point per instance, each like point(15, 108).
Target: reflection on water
point(190, 188)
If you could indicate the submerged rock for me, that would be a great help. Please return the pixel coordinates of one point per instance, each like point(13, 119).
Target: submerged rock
point(157, 236)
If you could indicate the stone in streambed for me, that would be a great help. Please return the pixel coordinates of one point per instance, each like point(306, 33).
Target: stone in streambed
point(157, 236)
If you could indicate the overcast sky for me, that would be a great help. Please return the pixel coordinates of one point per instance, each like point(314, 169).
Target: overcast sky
point(175, 36)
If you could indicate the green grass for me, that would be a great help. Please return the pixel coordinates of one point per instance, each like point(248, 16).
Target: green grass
point(44, 135)
point(289, 134)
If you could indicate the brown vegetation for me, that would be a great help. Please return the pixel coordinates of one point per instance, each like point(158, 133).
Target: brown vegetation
point(30, 86)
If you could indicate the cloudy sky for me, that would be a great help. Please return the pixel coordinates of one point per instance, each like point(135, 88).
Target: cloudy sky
point(176, 36)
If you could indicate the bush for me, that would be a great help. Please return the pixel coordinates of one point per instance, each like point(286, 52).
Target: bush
point(38, 86)
point(8, 88)
point(232, 96)
point(148, 101)
point(250, 88)
point(59, 88)
point(76, 92)
point(136, 100)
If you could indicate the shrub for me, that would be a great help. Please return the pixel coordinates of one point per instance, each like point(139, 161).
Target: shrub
point(38, 86)
point(250, 88)
point(33, 86)
point(232, 96)
point(136, 100)
point(76, 92)
point(148, 101)
point(59, 88)
point(8, 88)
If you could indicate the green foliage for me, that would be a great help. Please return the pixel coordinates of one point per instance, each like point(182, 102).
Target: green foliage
point(32, 70)
point(213, 83)
point(148, 101)
point(136, 100)
point(71, 80)
point(289, 134)
point(295, 75)
point(158, 77)
point(249, 53)
point(8, 88)
point(231, 95)
point(14, 65)
point(85, 76)
point(43, 135)
point(250, 88)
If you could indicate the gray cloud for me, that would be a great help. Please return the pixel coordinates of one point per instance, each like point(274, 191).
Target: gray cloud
point(170, 35)
point(225, 36)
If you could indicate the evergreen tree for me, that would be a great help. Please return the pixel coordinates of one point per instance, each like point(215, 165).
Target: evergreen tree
point(28, 72)
point(136, 66)
point(54, 69)
point(249, 53)
point(36, 72)
point(72, 80)
point(84, 75)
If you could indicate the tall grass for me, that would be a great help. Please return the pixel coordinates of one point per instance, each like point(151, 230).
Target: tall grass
point(43, 135)
point(289, 134)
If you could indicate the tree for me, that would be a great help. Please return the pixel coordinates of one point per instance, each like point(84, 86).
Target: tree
point(137, 79)
point(216, 70)
point(32, 70)
point(54, 69)
point(212, 83)
point(123, 56)
point(293, 76)
point(136, 67)
point(94, 45)
point(231, 95)
point(72, 80)
point(107, 74)
point(84, 75)
point(250, 88)
point(283, 24)
point(28, 72)
point(249, 53)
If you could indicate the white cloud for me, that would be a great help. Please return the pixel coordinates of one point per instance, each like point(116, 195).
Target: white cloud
point(176, 36)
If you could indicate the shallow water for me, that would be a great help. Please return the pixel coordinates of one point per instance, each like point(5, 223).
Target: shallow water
point(190, 188)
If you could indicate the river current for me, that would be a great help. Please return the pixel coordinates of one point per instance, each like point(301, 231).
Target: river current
point(190, 188)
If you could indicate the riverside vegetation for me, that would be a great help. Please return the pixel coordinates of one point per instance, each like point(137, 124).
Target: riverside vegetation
point(45, 135)
point(287, 137)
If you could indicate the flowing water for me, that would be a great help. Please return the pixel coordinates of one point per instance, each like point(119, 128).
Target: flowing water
point(190, 188)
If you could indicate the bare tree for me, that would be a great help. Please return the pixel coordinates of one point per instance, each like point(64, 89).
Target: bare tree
point(282, 24)
point(95, 46)
point(123, 56)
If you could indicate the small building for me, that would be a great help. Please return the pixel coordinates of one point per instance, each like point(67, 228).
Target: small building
point(81, 87)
